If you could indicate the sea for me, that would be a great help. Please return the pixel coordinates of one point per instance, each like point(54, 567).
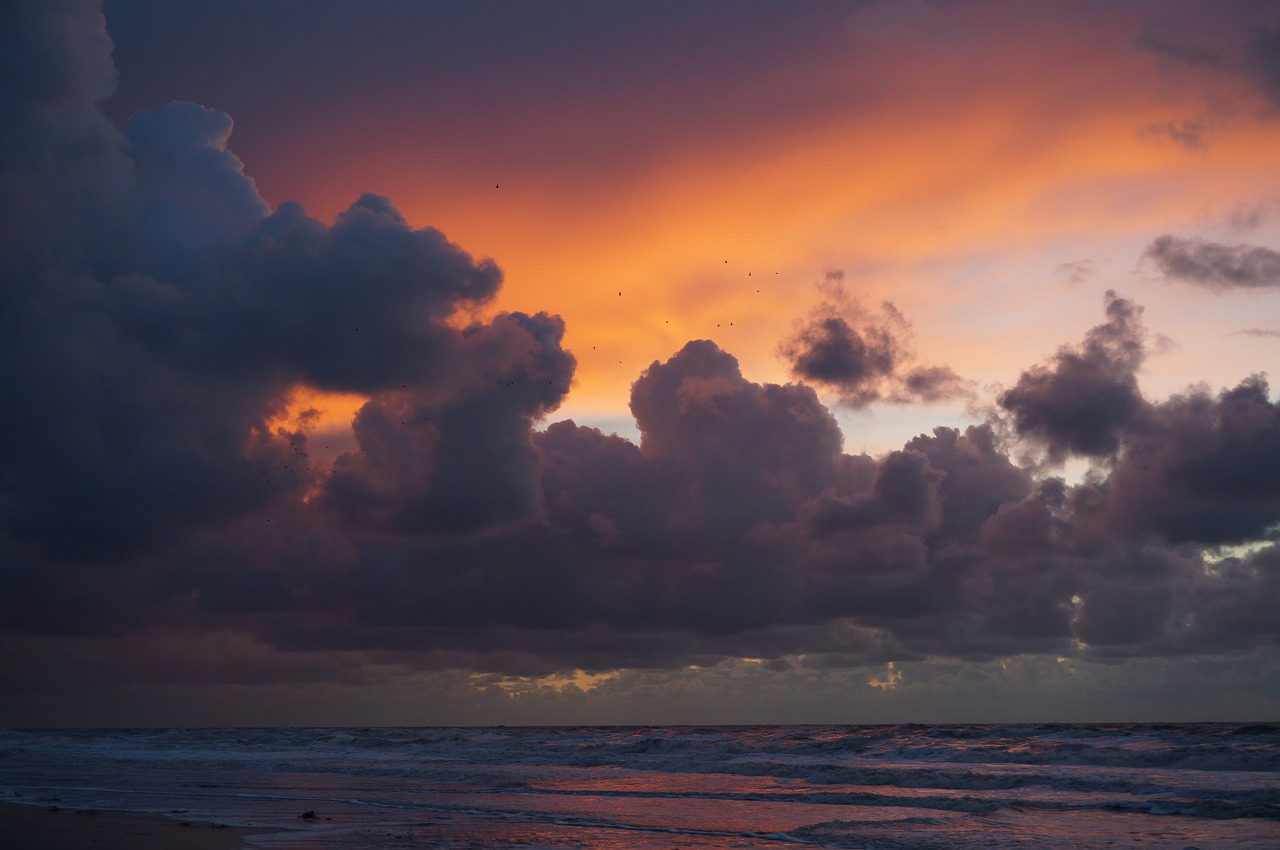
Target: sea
point(895, 787)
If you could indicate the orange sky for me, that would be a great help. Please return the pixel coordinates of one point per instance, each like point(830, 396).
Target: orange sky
point(937, 171)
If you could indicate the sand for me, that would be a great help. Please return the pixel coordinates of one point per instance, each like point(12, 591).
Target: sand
point(37, 828)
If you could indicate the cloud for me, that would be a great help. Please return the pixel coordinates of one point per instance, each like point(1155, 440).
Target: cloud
point(156, 315)
point(1227, 55)
point(1263, 61)
point(1199, 468)
point(1163, 43)
point(1215, 266)
point(1076, 271)
point(159, 313)
point(1258, 332)
point(1245, 217)
point(1083, 399)
point(863, 356)
point(1190, 133)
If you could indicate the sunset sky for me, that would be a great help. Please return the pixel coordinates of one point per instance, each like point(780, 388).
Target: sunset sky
point(562, 362)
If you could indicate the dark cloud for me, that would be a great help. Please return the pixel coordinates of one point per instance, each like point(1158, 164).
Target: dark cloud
point(1229, 51)
point(1197, 468)
point(1083, 399)
point(1258, 332)
point(1263, 60)
point(862, 356)
point(155, 315)
point(161, 314)
point(1215, 266)
point(1164, 43)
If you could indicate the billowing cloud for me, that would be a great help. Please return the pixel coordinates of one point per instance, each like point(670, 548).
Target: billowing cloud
point(1083, 399)
point(863, 356)
point(1215, 266)
point(1196, 468)
point(156, 314)
point(162, 313)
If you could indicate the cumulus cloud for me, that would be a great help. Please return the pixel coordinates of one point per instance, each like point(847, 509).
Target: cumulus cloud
point(863, 356)
point(1083, 399)
point(159, 314)
point(1213, 265)
point(1199, 468)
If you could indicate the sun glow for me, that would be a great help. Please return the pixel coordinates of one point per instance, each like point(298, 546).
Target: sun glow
point(559, 682)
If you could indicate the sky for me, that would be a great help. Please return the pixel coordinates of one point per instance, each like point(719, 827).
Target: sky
point(701, 362)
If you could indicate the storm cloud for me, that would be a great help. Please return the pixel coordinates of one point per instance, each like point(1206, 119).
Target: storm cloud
point(1083, 399)
point(156, 314)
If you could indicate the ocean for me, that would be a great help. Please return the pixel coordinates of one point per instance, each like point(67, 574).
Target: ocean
point(904, 787)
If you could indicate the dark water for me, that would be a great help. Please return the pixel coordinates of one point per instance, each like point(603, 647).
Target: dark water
point(707, 788)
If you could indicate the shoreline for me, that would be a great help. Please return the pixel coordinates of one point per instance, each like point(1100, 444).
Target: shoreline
point(53, 828)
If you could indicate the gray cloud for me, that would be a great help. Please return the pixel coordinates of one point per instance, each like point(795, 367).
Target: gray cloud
point(1215, 266)
point(864, 356)
point(1198, 468)
point(1263, 61)
point(1081, 402)
point(1167, 44)
point(156, 314)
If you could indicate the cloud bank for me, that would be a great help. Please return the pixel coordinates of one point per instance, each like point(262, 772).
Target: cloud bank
point(156, 314)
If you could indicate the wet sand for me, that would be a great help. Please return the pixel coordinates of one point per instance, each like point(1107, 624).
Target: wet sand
point(38, 828)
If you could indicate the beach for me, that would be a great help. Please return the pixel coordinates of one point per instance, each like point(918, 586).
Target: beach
point(46, 828)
